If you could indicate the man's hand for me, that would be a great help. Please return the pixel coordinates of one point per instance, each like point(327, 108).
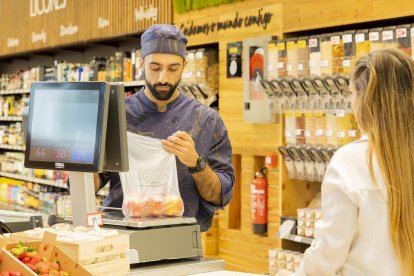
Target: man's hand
point(182, 145)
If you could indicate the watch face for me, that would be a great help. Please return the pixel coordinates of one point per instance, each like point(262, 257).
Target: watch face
point(202, 163)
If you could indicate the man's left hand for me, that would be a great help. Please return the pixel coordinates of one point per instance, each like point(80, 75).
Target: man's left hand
point(182, 145)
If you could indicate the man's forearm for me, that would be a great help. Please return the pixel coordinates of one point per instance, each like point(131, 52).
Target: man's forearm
point(208, 185)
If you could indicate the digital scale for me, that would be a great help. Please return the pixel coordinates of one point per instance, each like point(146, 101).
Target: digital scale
point(157, 239)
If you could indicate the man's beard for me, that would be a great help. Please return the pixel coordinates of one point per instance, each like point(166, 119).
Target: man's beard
point(164, 95)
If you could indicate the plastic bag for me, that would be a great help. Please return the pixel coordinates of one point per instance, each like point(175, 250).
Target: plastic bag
point(150, 186)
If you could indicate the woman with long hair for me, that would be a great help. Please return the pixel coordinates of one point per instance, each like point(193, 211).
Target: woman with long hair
point(368, 190)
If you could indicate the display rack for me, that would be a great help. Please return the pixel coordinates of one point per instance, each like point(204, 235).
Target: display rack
point(53, 183)
point(11, 118)
point(13, 92)
point(11, 147)
point(133, 83)
point(12, 207)
point(299, 239)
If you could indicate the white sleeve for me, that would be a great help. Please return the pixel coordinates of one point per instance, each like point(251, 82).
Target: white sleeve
point(334, 233)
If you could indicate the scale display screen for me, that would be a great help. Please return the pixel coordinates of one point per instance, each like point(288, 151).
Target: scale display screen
point(67, 126)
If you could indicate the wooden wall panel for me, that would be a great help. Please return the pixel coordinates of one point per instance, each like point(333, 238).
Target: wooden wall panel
point(80, 16)
point(306, 15)
point(243, 250)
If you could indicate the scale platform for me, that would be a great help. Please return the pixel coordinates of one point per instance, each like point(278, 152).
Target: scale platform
point(157, 239)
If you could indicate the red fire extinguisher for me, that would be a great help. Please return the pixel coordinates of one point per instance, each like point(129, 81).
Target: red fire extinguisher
point(258, 191)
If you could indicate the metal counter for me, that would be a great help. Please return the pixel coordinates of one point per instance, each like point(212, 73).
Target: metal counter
point(178, 267)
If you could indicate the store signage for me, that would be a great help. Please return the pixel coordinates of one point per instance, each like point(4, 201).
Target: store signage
point(39, 7)
point(39, 37)
point(102, 23)
point(150, 13)
point(260, 19)
point(69, 30)
point(12, 42)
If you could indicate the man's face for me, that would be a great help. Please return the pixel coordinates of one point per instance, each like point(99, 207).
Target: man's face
point(162, 74)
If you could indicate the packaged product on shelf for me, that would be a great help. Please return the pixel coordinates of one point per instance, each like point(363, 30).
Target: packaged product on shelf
point(310, 223)
point(348, 39)
point(310, 110)
point(301, 231)
point(301, 221)
point(389, 39)
point(353, 131)
point(375, 38)
point(272, 61)
point(101, 67)
point(334, 115)
point(290, 105)
point(127, 68)
point(282, 59)
point(309, 232)
point(320, 112)
point(314, 56)
point(326, 55)
point(137, 71)
point(303, 56)
point(337, 53)
point(301, 101)
point(290, 127)
point(292, 57)
point(301, 213)
point(403, 35)
point(283, 259)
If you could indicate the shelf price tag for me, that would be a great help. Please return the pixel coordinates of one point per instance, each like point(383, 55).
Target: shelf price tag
point(94, 219)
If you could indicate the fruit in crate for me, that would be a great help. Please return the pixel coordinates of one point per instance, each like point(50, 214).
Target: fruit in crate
point(10, 273)
point(42, 266)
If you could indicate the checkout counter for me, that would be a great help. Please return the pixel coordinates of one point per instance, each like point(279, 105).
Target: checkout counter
point(158, 246)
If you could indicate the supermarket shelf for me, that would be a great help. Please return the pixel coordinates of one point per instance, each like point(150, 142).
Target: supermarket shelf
point(12, 92)
point(299, 239)
point(10, 147)
point(130, 83)
point(11, 118)
point(35, 180)
point(134, 83)
point(12, 207)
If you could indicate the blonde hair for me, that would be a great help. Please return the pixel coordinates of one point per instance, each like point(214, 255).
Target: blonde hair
point(384, 109)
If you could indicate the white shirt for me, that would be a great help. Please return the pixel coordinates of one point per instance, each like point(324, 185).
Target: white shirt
point(353, 237)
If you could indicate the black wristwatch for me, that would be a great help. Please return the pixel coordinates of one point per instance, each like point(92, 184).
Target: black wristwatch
point(201, 164)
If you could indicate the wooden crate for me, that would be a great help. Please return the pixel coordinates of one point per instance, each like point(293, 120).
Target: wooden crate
point(45, 248)
point(98, 257)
